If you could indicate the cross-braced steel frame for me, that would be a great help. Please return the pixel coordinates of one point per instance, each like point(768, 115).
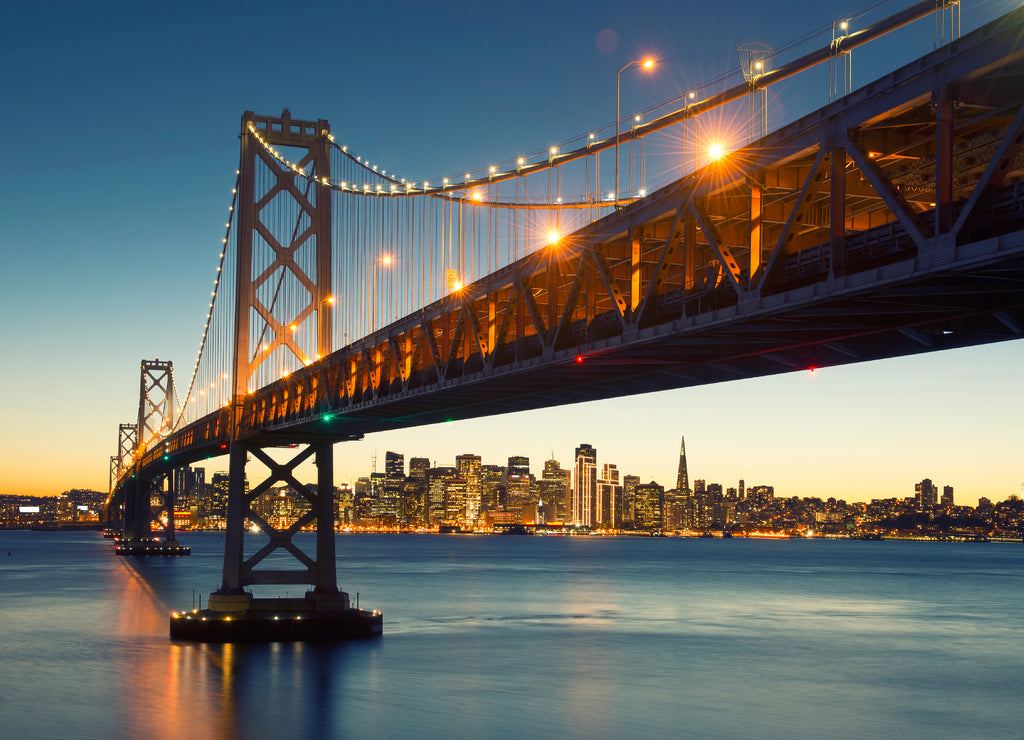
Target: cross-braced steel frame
point(127, 444)
point(156, 401)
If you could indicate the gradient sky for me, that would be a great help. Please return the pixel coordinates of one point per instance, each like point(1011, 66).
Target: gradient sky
point(121, 140)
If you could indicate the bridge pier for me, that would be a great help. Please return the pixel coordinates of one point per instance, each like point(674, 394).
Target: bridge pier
point(235, 614)
point(138, 535)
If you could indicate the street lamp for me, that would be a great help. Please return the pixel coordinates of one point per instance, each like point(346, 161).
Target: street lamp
point(646, 64)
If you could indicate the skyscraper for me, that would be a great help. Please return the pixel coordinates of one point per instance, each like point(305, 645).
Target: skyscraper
point(926, 494)
point(456, 507)
point(517, 483)
point(382, 511)
point(581, 510)
point(683, 500)
point(629, 484)
point(608, 501)
point(492, 487)
point(469, 467)
point(362, 501)
point(437, 480)
point(418, 467)
point(188, 486)
point(519, 465)
point(394, 474)
point(217, 501)
point(682, 477)
point(554, 488)
point(649, 502)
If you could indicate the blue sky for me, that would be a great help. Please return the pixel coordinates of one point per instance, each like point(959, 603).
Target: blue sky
point(120, 131)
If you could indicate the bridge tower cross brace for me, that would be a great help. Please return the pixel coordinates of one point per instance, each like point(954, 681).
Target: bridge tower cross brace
point(312, 140)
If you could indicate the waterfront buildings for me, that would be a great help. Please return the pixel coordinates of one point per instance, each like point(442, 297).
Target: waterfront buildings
point(589, 496)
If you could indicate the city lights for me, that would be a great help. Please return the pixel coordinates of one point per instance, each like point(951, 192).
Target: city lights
point(463, 496)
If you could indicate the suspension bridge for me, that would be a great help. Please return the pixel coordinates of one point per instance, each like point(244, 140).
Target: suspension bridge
point(349, 300)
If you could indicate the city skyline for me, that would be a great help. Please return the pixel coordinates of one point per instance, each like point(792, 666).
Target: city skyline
point(138, 152)
point(499, 455)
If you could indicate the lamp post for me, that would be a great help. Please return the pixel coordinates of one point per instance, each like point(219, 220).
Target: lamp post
point(646, 64)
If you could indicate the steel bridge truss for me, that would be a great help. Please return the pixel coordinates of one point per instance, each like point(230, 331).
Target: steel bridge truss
point(887, 223)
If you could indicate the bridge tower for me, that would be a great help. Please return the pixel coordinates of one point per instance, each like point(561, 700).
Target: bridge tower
point(117, 505)
point(268, 257)
point(149, 498)
point(127, 442)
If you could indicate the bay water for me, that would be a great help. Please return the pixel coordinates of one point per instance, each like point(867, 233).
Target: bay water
point(530, 637)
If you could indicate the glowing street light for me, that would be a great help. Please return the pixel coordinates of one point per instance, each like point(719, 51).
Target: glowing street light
point(646, 64)
point(553, 237)
point(716, 151)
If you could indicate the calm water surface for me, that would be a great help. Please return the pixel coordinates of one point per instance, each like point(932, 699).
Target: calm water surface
point(512, 637)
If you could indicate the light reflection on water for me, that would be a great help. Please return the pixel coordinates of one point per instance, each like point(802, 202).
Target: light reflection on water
point(545, 637)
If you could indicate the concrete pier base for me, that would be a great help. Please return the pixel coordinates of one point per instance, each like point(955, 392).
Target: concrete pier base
point(243, 618)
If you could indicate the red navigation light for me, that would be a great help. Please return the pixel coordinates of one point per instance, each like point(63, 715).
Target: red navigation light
point(223, 445)
point(579, 359)
point(812, 368)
